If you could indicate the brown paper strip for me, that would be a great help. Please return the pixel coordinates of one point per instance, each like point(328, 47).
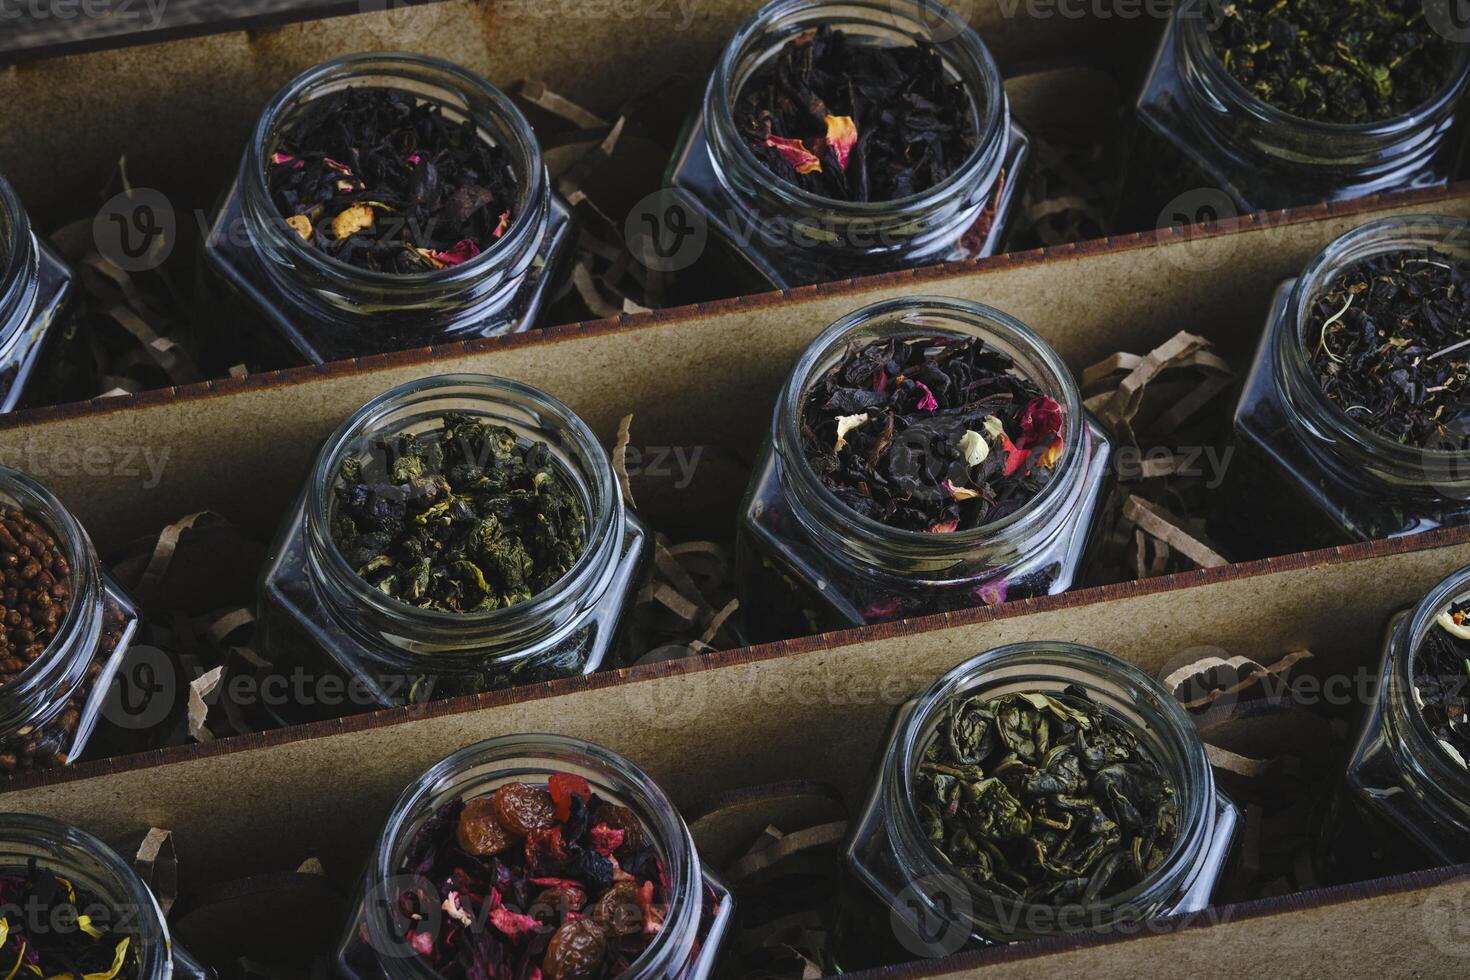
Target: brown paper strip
point(1161, 524)
point(620, 458)
point(779, 846)
point(158, 865)
point(201, 688)
point(534, 91)
point(163, 551)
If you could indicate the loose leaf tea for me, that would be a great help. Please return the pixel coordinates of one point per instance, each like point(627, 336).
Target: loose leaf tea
point(464, 518)
point(1442, 680)
point(1389, 341)
point(1047, 799)
point(931, 433)
point(533, 882)
point(1331, 61)
point(51, 928)
point(380, 180)
point(857, 122)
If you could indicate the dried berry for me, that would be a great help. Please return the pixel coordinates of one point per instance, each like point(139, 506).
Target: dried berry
point(619, 911)
point(576, 951)
point(522, 808)
point(479, 831)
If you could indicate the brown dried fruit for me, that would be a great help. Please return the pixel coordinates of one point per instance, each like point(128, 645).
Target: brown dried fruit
point(353, 220)
point(479, 831)
point(618, 911)
point(522, 808)
point(300, 224)
point(576, 951)
point(621, 818)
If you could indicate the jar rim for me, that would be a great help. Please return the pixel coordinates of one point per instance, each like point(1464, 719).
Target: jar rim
point(952, 313)
point(1196, 790)
point(1447, 776)
point(154, 943)
point(1377, 237)
point(1195, 30)
point(519, 137)
point(991, 105)
point(685, 874)
point(605, 510)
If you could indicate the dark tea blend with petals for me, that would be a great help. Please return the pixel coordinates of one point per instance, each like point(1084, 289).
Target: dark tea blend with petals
point(1389, 342)
point(377, 179)
point(465, 518)
point(50, 928)
point(857, 122)
point(934, 434)
point(1044, 798)
point(1441, 671)
point(530, 882)
point(1332, 61)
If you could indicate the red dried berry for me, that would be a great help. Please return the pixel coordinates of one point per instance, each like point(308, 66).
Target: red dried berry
point(563, 786)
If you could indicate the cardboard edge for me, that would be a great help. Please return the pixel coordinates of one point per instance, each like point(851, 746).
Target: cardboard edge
point(389, 717)
point(633, 322)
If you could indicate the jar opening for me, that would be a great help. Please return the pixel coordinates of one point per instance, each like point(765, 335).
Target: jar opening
point(894, 23)
point(1125, 693)
point(533, 416)
point(926, 316)
point(460, 95)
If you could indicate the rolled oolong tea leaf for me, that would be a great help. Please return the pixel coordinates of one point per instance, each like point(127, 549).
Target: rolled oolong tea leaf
point(533, 881)
point(1334, 62)
point(1047, 799)
point(377, 179)
point(1441, 671)
point(857, 122)
point(50, 927)
point(1389, 342)
point(934, 434)
point(463, 519)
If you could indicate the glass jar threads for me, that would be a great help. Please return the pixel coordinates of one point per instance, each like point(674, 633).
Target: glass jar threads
point(456, 534)
point(51, 875)
point(1093, 739)
point(521, 804)
point(68, 626)
point(342, 256)
point(1408, 767)
point(1322, 416)
point(790, 234)
point(1203, 130)
point(926, 454)
point(35, 291)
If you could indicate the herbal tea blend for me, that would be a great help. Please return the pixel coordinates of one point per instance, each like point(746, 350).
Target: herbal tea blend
point(1392, 346)
point(857, 122)
point(1442, 680)
point(548, 881)
point(377, 179)
point(57, 929)
point(931, 434)
point(1045, 798)
point(466, 518)
point(1334, 62)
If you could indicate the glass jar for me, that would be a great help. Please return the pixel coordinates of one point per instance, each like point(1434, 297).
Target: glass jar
point(49, 710)
point(89, 864)
point(325, 309)
point(1342, 482)
point(1202, 129)
point(319, 616)
point(931, 909)
point(1397, 772)
point(785, 236)
point(699, 907)
point(807, 563)
point(35, 292)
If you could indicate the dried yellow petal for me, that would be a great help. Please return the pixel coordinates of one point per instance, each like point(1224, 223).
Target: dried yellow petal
point(974, 447)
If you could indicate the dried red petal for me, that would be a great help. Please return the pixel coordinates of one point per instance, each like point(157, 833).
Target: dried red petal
point(1039, 421)
point(280, 159)
point(513, 924)
point(944, 527)
point(928, 403)
point(463, 251)
point(504, 224)
point(1015, 456)
point(563, 786)
point(794, 152)
point(339, 167)
point(841, 137)
point(606, 839)
point(413, 159)
point(991, 593)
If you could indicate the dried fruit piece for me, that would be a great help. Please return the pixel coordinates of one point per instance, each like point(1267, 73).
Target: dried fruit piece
point(575, 951)
point(621, 818)
point(563, 786)
point(522, 808)
point(357, 218)
point(479, 831)
point(300, 224)
point(619, 911)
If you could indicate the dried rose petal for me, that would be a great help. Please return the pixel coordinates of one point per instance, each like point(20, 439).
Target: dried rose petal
point(960, 493)
point(991, 593)
point(943, 527)
point(280, 159)
point(841, 137)
point(463, 251)
point(503, 224)
point(1051, 453)
point(883, 610)
point(794, 152)
point(1039, 420)
point(413, 158)
point(349, 186)
point(339, 167)
point(928, 403)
